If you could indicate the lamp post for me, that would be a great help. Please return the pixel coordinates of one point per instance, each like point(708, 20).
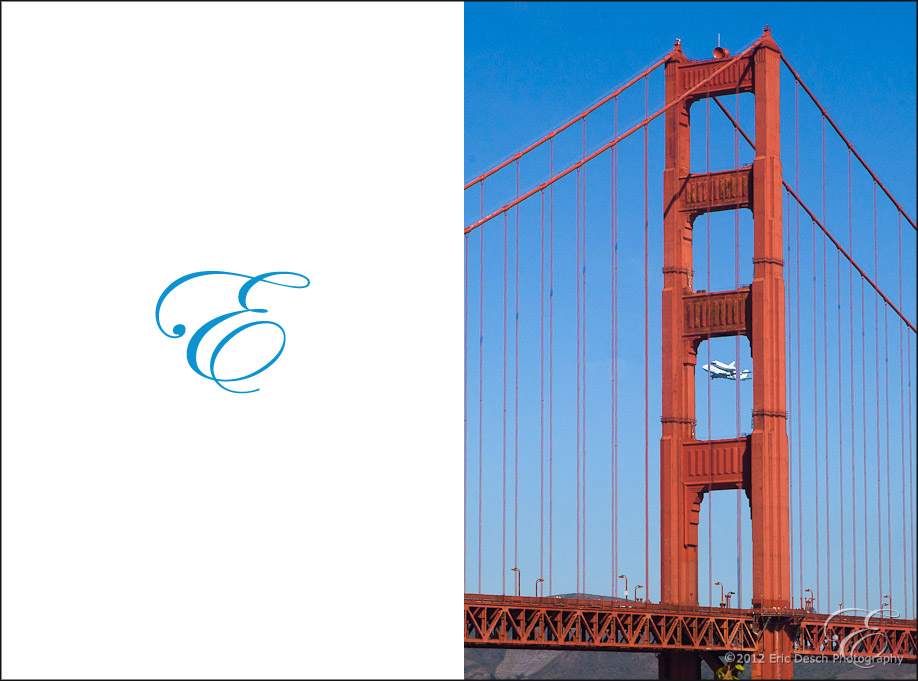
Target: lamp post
point(887, 604)
point(517, 571)
point(626, 585)
point(537, 586)
point(809, 601)
point(639, 586)
point(720, 584)
point(730, 593)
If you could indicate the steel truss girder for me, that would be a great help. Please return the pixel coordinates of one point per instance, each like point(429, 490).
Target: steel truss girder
point(573, 624)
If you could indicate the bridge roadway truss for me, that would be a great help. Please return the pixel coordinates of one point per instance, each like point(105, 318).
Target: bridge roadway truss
point(573, 624)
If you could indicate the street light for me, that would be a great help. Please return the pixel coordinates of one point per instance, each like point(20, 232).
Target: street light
point(537, 586)
point(809, 601)
point(639, 586)
point(887, 605)
point(517, 571)
point(626, 585)
point(731, 593)
point(720, 584)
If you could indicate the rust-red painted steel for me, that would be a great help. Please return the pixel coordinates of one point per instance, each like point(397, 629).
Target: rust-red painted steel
point(854, 264)
point(607, 98)
point(845, 139)
point(629, 626)
point(763, 474)
point(824, 230)
point(611, 144)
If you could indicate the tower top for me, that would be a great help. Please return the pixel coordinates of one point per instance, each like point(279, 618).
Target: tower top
point(767, 41)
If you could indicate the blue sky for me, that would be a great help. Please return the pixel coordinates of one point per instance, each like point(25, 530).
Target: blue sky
point(531, 67)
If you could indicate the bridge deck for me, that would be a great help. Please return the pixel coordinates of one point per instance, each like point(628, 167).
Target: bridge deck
point(574, 624)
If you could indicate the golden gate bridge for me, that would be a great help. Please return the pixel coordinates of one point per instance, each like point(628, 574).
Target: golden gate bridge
point(824, 477)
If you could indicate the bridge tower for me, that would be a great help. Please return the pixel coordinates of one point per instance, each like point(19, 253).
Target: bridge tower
point(758, 463)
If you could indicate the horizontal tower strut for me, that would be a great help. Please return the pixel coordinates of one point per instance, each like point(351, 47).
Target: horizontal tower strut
point(713, 315)
point(719, 190)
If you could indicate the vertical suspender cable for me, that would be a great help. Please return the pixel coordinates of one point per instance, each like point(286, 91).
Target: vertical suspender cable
point(797, 313)
point(825, 373)
point(542, 385)
point(465, 414)
point(815, 421)
point(503, 573)
point(707, 262)
point(583, 345)
point(907, 557)
point(851, 390)
point(551, 354)
point(612, 365)
point(736, 285)
point(815, 417)
point(876, 345)
point(790, 395)
point(516, 384)
point(577, 368)
point(841, 485)
point(646, 368)
point(864, 443)
point(480, 373)
point(614, 400)
point(888, 479)
point(911, 507)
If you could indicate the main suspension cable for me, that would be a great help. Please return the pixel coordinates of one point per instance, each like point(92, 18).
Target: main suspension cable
point(845, 139)
point(608, 145)
point(821, 226)
point(550, 136)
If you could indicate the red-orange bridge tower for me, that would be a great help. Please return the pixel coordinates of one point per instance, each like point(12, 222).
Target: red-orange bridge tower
point(758, 463)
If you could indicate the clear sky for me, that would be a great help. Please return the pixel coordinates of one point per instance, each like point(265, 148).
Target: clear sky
point(529, 67)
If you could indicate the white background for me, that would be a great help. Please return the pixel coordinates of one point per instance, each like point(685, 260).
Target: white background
point(153, 524)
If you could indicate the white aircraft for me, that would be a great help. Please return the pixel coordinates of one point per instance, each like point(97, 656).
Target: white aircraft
point(728, 371)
